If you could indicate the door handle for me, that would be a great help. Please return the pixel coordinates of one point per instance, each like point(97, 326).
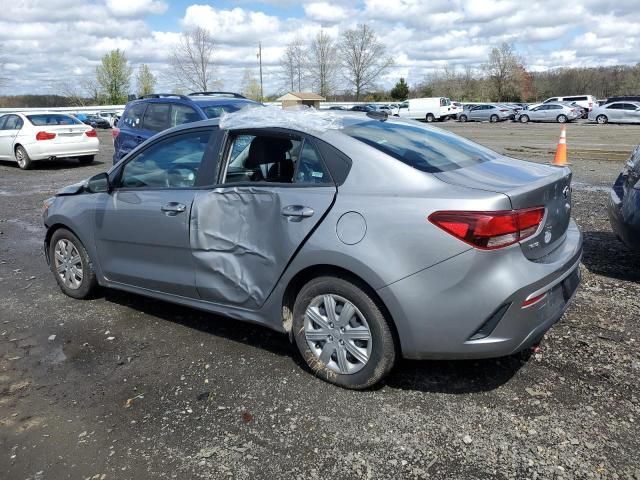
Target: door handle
point(173, 208)
point(297, 212)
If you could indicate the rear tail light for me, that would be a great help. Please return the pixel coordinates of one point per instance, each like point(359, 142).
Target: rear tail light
point(490, 230)
point(504, 110)
point(91, 133)
point(45, 136)
point(115, 132)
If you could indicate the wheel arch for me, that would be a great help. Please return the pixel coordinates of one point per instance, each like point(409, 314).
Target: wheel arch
point(307, 274)
point(50, 231)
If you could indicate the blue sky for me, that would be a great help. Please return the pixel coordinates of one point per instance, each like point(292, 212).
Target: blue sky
point(48, 45)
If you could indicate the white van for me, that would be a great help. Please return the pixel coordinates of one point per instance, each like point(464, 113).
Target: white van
point(429, 109)
point(585, 101)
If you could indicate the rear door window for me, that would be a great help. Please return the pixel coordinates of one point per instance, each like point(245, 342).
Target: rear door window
point(183, 114)
point(422, 148)
point(133, 116)
point(156, 118)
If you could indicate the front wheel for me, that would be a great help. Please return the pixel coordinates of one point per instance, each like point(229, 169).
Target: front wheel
point(602, 119)
point(463, 118)
point(342, 334)
point(493, 118)
point(562, 119)
point(86, 160)
point(524, 119)
point(22, 157)
point(70, 265)
point(430, 117)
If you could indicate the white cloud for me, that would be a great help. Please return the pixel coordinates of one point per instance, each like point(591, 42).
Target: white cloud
point(134, 8)
point(325, 12)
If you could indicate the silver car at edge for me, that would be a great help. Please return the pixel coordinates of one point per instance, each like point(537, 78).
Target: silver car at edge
point(486, 113)
point(382, 239)
point(616, 112)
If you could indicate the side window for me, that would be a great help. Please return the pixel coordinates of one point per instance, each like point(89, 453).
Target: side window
point(156, 118)
point(628, 106)
point(182, 114)
point(310, 167)
point(170, 163)
point(3, 119)
point(615, 106)
point(262, 159)
point(13, 122)
point(133, 116)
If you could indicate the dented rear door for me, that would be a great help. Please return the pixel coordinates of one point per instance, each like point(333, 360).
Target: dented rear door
point(243, 237)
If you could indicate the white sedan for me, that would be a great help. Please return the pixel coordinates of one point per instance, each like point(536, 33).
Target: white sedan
point(25, 137)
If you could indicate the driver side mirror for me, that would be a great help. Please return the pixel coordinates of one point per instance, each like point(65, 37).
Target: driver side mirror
point(99, 183)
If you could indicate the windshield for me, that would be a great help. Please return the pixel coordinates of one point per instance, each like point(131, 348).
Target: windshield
point(52, 119)
point(216, 111)
point(426, 149)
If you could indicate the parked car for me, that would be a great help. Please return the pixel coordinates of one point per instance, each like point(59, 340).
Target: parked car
point(362, 108)
point(548, 112)
point(581, 111)
point(337, 107)
point(616, 112)
point(428, 109)
point(624, 203)
point(289, 226)
point(97, 122)
point(26, 137)
point(153, 113)
point(108, 116)
point(622, 98)
point(585, 101)
point(483, 113)
point(456, 109)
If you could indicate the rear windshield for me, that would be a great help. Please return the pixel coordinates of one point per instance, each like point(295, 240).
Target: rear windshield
point(426, 149)
point(53, 119)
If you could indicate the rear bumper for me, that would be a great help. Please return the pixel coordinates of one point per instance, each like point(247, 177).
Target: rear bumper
point(45, 149)
point(625, 229)
point(439, 309)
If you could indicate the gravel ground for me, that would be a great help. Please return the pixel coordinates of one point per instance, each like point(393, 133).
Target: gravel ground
point(122, 387)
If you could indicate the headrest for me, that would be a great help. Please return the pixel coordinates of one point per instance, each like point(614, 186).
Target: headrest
point(267, 150)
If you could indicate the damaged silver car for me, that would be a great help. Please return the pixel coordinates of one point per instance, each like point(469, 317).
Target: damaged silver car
point(365, 238)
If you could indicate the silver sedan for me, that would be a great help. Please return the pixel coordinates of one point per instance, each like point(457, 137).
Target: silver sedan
point(616, 112)
point(364, 238)
point(548, 112)
point(486, 113)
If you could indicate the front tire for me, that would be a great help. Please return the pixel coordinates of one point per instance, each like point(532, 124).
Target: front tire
point(430, 117)
point(524, 119)
point(562, 119)
point(22, 157)
point(71, 266)
point(86, 160)
point(602, 119)
point(342, 334)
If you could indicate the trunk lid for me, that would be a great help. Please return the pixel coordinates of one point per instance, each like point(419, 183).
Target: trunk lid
point(66, 133)
point(527, 185)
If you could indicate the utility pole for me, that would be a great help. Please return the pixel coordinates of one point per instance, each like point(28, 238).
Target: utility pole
point(260, 58)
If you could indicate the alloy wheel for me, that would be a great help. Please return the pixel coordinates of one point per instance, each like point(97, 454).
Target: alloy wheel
point(20, 158)
point(68, 263)
point(337, 333)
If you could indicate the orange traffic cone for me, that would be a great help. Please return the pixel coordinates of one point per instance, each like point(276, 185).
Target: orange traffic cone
point(560, 159)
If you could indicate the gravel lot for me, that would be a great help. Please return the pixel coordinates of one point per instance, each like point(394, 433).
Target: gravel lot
point(122, 387)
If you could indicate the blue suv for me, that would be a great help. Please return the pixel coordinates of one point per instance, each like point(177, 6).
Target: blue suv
point(153, 113)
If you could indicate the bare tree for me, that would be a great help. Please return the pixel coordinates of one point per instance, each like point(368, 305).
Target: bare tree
point(192, 60)
point(293, 64)
point(3, 80)
point(145, 80)
point(363, 57)
point(322, 63)
point(250, 85)
point(502, 69)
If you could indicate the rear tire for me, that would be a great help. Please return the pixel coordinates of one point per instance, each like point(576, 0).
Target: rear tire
point(430, 117)
point(463, 118)
point(493, 118)
point(71, 266)
point(602, 119)
point(22, 157)
point(86, 160)
point(353, 352)
point(562, 119)
point(524, 119)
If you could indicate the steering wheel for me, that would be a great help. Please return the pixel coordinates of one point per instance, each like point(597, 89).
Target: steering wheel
point(178, 177)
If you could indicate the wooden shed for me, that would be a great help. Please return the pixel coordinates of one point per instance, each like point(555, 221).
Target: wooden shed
point(294, 99)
